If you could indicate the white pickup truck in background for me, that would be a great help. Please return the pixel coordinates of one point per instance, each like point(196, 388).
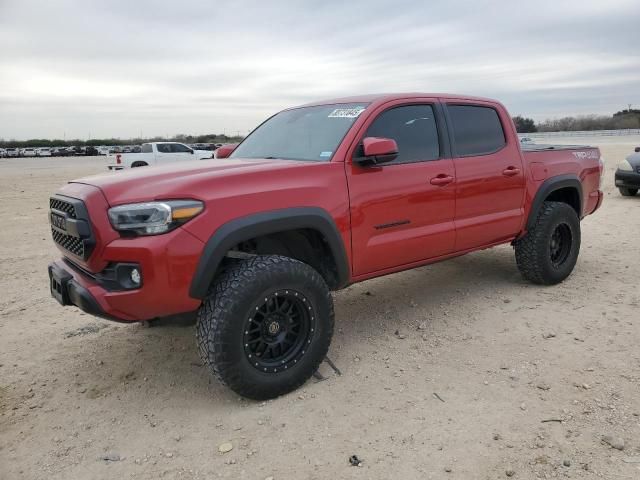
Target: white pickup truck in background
point(156, 153)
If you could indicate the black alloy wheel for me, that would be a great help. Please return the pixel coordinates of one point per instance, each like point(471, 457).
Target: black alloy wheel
point(276, 335)
point(560, 244)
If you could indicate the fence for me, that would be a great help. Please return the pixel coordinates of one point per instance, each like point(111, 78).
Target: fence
point(584, 133)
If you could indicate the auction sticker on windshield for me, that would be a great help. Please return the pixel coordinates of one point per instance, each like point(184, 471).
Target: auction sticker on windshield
point(346, 112)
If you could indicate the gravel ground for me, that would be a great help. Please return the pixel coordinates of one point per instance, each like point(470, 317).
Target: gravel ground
point(459, 370)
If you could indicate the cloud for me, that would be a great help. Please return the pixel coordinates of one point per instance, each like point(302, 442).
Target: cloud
point(119, 67)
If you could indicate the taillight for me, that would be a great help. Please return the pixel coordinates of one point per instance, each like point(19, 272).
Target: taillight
point(118, 159)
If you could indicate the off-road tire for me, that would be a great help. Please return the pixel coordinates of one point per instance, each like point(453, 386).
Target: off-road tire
point(534, 251)
point(231, 302)
point(628, 192)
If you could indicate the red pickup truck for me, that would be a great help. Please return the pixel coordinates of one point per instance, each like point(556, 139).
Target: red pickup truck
point(316, 198)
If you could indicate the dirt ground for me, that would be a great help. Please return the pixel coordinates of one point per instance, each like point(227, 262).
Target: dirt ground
point(487, 377)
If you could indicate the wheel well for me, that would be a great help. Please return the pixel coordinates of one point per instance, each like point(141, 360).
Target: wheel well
point(568, 195)
point(306, 245)
point(139, 164)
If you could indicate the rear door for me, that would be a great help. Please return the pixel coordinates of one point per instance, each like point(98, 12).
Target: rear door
point(490, 181)
point(402, 212)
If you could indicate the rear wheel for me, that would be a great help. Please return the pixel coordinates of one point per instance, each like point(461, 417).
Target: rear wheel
point(628, 192)
point(265, 326)
point(549, 251)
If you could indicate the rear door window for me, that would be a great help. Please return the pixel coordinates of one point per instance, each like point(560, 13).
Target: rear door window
point(476, 130)
point(146, 148)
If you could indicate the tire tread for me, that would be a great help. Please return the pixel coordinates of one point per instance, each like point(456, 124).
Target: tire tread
point(216, 313)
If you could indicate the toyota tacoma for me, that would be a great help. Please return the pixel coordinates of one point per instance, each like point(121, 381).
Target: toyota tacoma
point(316, 198)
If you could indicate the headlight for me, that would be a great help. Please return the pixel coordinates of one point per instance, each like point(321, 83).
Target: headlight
point(153, 218)
point(625, 166)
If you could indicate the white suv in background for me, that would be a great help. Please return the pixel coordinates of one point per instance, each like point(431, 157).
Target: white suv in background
point(43, 152)
point(28, 152)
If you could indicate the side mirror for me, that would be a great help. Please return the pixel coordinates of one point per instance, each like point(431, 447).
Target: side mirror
point(226, 150)
point(191, 151)
point(377, 150)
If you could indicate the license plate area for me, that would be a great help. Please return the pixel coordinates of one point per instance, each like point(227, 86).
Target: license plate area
point(58, 283)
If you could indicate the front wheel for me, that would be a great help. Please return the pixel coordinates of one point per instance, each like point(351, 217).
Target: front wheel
point(265, 326)
point(549, 251)
point(628, 192)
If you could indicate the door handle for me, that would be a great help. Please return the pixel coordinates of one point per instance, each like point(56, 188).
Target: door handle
point(510, 171)
point(441, 180)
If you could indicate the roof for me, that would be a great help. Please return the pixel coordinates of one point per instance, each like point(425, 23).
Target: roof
point(386, 97)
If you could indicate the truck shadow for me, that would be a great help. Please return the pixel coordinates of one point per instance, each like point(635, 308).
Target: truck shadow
point(162, 361)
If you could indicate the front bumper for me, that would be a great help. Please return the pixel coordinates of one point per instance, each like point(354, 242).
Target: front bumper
point(68, 291)
point(626, 179)
point(167, 263)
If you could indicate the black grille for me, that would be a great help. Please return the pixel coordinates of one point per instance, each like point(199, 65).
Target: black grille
point(73, 233)
point(61, 205)
point(72, 244)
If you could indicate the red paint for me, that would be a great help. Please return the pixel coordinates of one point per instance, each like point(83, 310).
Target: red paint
point(391, 216)
point(225, 150)
point(373, 146)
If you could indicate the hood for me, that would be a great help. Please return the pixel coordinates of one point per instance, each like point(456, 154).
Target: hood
point(634, 159)
point(185, 180)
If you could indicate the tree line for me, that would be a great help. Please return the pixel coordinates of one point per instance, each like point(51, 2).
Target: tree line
point(95, 142)
point(624, 119)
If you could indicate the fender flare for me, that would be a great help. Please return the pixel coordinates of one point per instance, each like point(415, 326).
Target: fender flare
point(264, 223)
point(549, 186)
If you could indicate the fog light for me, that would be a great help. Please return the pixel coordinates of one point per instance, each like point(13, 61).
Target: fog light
point(135, 276)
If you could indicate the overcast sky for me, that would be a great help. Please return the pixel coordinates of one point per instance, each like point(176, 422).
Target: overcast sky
point(121, 68)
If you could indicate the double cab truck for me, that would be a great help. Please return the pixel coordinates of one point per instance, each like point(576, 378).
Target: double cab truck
point(316, 198)
point(156, 153)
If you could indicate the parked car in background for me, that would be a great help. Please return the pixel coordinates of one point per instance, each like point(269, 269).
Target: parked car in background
point(156, 153)
point(58, 152)
point(43, 152)
point(201, 146)
point(526, 140)
point(28, 152)
point(12, 152)
point(3, 153)
point(628, 175)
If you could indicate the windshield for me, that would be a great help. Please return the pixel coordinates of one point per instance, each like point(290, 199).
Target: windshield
point(307, 133)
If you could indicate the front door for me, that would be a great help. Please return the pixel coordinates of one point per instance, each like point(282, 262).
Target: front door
point(402, 212)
